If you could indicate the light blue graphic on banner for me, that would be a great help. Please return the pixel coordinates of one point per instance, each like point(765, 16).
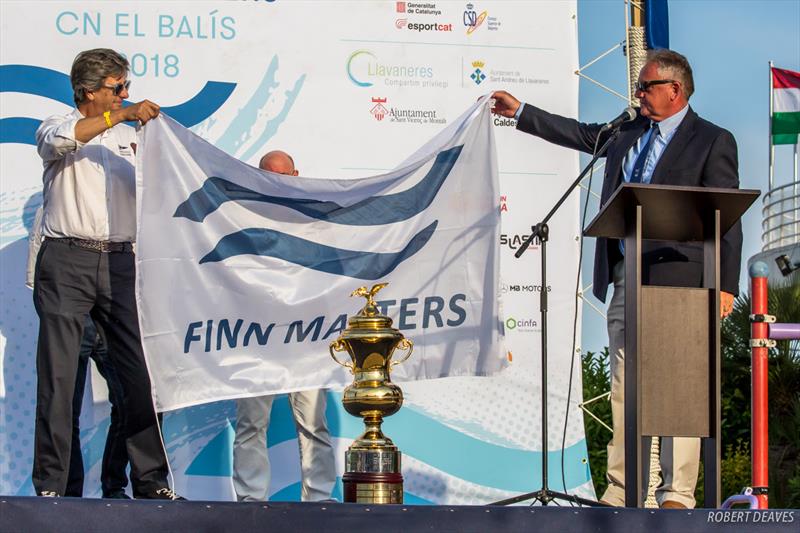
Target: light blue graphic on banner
point(239, 131)
point(512, 469)
point(342, 262)
point(216, 459)
point(373, 211)
point(40, 81)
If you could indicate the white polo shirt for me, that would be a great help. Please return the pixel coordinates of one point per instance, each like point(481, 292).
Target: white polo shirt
point(89, 188)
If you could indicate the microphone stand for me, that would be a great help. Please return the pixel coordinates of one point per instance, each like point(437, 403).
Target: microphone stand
point(541, 231)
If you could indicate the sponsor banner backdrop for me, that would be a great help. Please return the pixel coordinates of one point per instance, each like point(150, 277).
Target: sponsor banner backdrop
point(350, 89)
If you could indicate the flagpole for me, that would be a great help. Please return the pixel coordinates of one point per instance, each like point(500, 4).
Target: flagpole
point(771, 147)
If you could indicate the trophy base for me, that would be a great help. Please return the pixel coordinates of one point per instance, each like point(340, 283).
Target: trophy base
point(372, 487)
point(372, 475)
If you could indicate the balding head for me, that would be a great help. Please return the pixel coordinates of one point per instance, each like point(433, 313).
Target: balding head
point(278, 162)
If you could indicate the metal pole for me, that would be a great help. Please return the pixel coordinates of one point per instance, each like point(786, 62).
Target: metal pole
point(759, 352)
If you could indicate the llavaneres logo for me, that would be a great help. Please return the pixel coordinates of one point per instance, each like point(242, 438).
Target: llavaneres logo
point(350, 60)
point(365, 69)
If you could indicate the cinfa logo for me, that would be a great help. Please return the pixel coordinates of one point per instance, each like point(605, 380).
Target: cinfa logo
point(525, 324)
point(379, 110)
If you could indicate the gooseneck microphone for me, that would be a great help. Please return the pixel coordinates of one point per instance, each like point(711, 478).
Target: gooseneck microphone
point(628, 114)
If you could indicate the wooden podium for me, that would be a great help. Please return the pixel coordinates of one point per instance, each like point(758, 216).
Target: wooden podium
point(672, 338)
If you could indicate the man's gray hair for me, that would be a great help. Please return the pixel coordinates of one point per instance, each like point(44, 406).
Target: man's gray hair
point(91, 68)
point(676, 64)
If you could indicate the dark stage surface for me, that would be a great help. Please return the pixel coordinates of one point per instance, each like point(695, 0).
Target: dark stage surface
point(93, 515)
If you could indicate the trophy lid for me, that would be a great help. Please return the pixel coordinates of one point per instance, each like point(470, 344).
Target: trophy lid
point(370, 317)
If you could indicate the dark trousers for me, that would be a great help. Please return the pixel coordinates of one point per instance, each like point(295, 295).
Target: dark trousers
point(70, 283)
point(113, 476)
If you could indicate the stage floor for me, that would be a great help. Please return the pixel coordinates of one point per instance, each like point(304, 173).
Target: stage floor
point(26, 514)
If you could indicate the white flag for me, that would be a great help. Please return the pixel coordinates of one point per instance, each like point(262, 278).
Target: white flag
point(244, 276)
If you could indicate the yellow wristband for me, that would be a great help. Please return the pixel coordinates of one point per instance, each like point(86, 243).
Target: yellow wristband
point(107, 116)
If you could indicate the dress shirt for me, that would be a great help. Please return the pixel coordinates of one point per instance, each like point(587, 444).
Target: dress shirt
point(664, 131)
point(89, 188)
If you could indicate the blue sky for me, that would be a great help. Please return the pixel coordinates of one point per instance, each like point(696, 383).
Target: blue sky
point(728, 43)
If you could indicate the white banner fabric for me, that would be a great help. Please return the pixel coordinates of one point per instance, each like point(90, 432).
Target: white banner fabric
point(243, 275)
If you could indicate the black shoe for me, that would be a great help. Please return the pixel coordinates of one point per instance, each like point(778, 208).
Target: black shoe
point(118, 494)
point(165, 493)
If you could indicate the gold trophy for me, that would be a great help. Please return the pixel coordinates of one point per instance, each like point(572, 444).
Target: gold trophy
point(372, 462)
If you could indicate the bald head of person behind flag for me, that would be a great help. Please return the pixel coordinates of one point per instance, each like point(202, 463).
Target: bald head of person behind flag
point(278, 162)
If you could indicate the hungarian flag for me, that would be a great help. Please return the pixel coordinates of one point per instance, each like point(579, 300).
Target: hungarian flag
point(785, 106)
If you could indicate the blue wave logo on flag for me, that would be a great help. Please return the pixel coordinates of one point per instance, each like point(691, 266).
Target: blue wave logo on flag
point(40, 81)
point(372, 211)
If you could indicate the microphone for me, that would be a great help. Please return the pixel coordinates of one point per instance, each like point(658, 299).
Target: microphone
point(627, 115)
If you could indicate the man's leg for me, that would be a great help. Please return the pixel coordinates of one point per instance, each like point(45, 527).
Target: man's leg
point(113, 476)
point(251, 471)
point(615, 473)
point(63, 294)
point(680, 463)
point(117, 316)
point(317, 461)
point(75, 477)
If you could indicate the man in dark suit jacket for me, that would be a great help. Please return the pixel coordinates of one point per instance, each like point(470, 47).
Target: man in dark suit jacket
point(667, 143)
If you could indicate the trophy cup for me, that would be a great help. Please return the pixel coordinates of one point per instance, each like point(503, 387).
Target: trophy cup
point(372, 462)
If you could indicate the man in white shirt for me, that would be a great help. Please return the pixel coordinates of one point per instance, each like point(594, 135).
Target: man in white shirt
point(251, 468)
point(86, 266)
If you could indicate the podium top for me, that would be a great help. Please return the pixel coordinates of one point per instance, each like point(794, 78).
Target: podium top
point(670, 212)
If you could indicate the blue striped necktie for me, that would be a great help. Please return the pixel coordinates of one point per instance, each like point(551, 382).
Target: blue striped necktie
point(638, 167)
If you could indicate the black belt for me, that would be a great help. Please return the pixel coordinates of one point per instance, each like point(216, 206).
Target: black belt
point(96, 246)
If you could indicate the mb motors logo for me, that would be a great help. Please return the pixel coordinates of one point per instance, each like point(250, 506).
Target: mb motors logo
point(379, 110)
point(477, 75)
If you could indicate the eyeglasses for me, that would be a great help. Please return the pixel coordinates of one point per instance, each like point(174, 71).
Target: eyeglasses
point(644, 86)
point(119, 87)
